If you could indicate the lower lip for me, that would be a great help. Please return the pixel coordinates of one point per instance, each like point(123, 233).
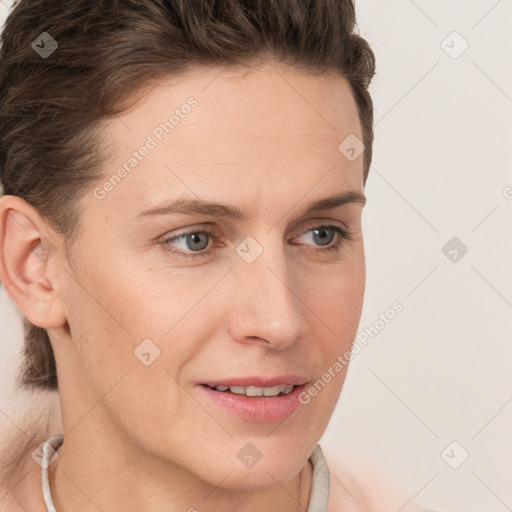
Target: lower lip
point(257, 408)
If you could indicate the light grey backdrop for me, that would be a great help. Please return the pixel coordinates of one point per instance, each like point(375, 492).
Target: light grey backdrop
point(428, 398)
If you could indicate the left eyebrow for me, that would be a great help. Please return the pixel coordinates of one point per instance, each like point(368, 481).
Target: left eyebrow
point(327, 203)
point(194, 206)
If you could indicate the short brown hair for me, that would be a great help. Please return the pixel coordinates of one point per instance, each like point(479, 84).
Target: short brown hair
point(51, 108)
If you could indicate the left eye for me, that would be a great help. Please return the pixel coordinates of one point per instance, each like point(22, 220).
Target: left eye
point(319, 234)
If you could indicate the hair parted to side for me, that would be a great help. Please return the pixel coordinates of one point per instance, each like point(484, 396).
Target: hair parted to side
point(51, 108)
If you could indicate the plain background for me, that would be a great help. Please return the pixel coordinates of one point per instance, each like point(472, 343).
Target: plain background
point(439, 372)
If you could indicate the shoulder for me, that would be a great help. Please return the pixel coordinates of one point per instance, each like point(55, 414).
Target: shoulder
point(356, 487)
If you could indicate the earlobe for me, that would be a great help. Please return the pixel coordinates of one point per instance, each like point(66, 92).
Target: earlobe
point(26, 260)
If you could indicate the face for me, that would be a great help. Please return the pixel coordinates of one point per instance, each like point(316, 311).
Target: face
point(159, 303)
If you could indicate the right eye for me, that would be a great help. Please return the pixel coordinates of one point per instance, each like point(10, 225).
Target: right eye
point(193, 243)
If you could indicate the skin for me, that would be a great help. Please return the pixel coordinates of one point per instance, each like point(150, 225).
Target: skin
point(143, 437)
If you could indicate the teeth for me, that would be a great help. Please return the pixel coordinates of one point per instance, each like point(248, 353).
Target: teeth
point(273, 391)
point(257, 391)
point(239, 390)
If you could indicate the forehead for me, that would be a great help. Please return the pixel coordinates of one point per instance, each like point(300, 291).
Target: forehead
point(260, 100)
point(234, 133)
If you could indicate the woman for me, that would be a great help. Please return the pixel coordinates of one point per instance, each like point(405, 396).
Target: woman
point(181, 229)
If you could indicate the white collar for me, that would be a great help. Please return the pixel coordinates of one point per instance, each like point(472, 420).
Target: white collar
point(49, 455)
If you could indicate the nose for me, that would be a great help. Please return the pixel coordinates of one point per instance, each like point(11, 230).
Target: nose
point(266, 303)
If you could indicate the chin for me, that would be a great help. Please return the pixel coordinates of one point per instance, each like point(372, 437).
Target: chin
point(258, 464)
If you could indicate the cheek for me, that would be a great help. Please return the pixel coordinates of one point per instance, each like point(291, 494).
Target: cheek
point(125, 306)
point(337, 301)
point(109, 315)
point(337, 298)
point(118, 325)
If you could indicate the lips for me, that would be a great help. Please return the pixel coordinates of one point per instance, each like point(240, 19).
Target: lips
point(254, 408)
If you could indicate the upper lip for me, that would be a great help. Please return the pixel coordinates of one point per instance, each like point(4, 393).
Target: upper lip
point(262, 382)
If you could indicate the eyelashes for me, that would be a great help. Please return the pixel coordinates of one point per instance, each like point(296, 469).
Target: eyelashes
point(340, 235)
